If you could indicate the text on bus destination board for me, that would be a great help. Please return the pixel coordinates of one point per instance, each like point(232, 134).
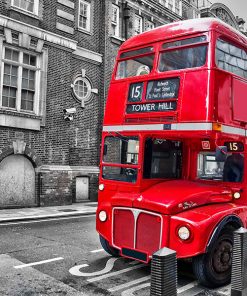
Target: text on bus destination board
point(153, 107)
point(162, 89)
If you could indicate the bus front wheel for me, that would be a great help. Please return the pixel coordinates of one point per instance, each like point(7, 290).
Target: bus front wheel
point(106, 246)
point(213, 269)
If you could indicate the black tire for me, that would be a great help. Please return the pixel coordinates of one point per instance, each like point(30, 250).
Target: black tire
point(213, 269)
point(110, 250)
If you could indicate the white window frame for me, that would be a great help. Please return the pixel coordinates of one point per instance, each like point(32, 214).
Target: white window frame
point(20, 66)
point(138, 19)
point(89, 88)
point(35, 7)
point(115, 22)
point(149, 25)
point(88, 15)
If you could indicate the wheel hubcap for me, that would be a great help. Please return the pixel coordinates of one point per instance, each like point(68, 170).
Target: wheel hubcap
point(222, 258)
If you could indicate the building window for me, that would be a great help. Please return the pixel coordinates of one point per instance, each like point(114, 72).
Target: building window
point(177, 7)
point(149, 25)
point(138, 25)
point(27, 5)
point(82, 88)
point(115, 20)
point(20, 80)
point(84, 15)
point(170, 4)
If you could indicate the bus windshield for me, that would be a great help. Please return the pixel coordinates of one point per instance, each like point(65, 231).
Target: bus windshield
point(120, 158)
point(162, 159)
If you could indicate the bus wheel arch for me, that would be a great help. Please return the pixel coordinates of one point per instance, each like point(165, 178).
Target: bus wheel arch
point(213, 268)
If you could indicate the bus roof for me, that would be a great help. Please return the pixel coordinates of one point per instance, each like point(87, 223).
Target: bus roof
point(182, 28)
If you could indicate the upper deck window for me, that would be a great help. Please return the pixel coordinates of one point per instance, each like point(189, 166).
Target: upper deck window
point(231, 58)
point(139, 64)
point(175, 58)
point(184, 42)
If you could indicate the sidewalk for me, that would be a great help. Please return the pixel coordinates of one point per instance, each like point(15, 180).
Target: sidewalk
point(24, 214)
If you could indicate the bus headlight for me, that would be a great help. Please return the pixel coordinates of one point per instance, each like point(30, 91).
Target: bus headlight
point(184, 233)
point(101, 187)
point(236, 195)
point(102, 216)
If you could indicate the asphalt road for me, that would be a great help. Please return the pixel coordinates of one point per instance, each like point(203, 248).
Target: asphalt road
point(64, 257)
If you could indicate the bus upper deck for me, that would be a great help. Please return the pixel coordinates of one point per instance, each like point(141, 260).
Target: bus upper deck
point(172, 79)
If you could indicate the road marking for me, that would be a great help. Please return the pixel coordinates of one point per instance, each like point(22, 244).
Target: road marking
point(104, 276)
point(130, 292)
point(126, 285)
point(97, 251)
point(45, 220)
point(38, 263)
point(187, 287)
point(109, 265)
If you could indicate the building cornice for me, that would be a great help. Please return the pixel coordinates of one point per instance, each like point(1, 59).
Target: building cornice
point(28, 30)
point(18, 26)
point(157, 7)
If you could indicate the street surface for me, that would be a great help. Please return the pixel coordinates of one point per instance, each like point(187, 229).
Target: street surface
point(64, 257)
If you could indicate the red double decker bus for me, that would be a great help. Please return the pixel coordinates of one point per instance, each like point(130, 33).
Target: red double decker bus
point(173, 159)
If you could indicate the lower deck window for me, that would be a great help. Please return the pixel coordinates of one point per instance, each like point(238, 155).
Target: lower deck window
point(231, 170)
point(122, 153)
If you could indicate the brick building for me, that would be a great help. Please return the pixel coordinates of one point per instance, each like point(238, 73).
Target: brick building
point(51, 62)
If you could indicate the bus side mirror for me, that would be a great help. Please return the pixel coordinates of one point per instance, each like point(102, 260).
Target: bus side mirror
point(105, 149)
point(221, 153)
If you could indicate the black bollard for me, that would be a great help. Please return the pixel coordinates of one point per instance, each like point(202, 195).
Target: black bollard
point(164, 273)
point(239, 263)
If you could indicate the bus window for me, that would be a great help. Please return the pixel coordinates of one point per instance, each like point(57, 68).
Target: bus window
point(142, 65)
point(229, 171)
point(162, 159)
point(119, 151)
point(184, 42)
point(231, 58)
point(183, 58)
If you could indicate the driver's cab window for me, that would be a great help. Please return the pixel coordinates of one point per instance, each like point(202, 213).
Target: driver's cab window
point(229, 170)
point(162, 159)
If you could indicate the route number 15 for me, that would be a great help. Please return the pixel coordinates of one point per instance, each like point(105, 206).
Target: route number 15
point(135, 92)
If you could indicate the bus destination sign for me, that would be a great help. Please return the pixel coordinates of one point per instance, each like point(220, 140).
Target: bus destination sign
point(163, 89)
point(151, 107)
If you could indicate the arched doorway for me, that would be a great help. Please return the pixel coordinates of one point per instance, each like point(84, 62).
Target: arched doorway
point(17, 182)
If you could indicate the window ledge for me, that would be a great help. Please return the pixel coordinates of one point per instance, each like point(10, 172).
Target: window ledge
point(19, 120)
point(117, 40)
point(32, 15)
point(84, 31)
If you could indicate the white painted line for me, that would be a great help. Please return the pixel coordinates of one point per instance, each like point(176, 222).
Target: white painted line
point(130, 292)
point(76, 269)
point(187, 287)
point(45, 220)
point(129, 284)
point(38, 263)
point(97, 251)
point(110, 274)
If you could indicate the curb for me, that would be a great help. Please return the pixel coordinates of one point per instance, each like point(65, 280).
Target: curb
point(43, 217)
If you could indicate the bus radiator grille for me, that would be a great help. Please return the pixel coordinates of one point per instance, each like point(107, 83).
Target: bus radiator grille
point(136, 229)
